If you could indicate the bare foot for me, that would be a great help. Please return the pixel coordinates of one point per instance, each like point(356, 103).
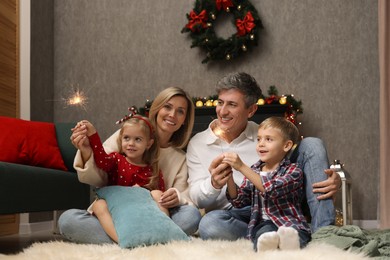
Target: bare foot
point(288, 238)
point(268, 241)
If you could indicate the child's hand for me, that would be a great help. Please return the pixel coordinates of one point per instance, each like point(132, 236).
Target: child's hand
point(233, 160)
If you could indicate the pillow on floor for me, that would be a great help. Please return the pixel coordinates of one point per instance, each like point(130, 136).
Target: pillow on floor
point(137, 218)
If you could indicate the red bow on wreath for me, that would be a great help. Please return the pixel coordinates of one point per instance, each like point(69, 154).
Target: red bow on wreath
point(197, 19)
point(246, 25)
point(223, 3)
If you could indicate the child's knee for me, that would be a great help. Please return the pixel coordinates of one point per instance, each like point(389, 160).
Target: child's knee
point(99, 206)
point(156, 194)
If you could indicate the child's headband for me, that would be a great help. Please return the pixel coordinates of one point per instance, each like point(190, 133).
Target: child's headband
point(133, 114)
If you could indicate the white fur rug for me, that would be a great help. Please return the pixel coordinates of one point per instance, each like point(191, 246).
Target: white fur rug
point(195, 249)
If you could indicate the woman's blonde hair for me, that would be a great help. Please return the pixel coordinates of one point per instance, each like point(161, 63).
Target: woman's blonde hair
point(152, 154)
point(181, 137)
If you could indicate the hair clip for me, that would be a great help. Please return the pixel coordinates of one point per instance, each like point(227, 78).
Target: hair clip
point(133, 111)
point(134, 114)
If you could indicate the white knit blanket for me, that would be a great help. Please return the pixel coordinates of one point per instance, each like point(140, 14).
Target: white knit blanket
point(195, 249)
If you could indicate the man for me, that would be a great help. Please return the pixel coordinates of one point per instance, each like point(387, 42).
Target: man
point(231, 131)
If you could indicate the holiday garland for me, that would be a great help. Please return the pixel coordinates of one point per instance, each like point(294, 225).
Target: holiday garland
point(200, 26)
point(294, 107)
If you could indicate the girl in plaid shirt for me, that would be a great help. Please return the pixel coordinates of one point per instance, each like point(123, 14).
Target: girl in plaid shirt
point(273, 187)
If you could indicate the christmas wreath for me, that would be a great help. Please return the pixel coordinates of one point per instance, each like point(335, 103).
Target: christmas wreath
point(200, 26)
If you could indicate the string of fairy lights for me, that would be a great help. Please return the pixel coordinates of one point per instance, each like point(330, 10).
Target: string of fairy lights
point(291, 112)
point(294, 106)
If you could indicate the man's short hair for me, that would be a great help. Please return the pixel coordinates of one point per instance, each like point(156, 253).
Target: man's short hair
point(242, 82)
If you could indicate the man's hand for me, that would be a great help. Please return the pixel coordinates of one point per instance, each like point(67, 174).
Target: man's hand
point(328, 187)
point(220, 172)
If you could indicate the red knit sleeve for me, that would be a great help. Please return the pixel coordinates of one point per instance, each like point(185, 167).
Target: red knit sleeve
point(104, 161)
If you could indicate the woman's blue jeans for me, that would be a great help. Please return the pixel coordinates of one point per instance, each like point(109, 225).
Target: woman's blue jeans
point(81, 227)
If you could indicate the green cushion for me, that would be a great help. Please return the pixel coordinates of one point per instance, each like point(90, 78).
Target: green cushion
point(137, 218)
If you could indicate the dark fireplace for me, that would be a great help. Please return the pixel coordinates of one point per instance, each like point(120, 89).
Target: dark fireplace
point(204, 115)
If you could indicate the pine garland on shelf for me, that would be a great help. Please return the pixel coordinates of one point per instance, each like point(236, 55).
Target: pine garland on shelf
point(294, 106)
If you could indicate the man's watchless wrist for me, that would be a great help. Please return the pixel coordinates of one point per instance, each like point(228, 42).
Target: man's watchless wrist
point(214, 184)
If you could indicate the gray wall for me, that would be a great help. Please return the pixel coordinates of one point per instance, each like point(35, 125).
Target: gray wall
point(325, 52)
point(42, 72)
point(42, 60)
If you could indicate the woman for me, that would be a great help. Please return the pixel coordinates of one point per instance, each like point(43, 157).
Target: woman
point(172, 112)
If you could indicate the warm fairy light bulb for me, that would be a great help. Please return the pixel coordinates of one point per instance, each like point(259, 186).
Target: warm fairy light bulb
point(199, 103)
point(260, 101)
point(209, 103)
point(283, 100)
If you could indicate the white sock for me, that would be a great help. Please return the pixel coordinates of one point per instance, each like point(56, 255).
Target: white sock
point(288, 238)
point(268, 241)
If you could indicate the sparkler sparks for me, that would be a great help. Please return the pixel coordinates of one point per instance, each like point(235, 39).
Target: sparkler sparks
point(76, 97)
point(220, 133)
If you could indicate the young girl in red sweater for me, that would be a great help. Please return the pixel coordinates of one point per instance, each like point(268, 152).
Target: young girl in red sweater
point(136, 164)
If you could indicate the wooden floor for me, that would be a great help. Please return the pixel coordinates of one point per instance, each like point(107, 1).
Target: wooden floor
point(14, 244)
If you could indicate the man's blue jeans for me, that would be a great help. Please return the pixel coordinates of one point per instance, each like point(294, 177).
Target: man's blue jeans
point(81, 227)
point(222, 224)
point(312, 158)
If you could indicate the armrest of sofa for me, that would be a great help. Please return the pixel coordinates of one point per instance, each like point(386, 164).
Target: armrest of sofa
point(68, 151)
point(25, 188)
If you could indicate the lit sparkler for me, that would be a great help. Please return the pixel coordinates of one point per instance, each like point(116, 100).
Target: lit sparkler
point(77, 97)
point(220, 133)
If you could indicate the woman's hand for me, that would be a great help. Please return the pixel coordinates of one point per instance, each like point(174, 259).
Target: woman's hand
point(80, 140)
point(169, 199)
point(79, 132)
point(329, 187)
